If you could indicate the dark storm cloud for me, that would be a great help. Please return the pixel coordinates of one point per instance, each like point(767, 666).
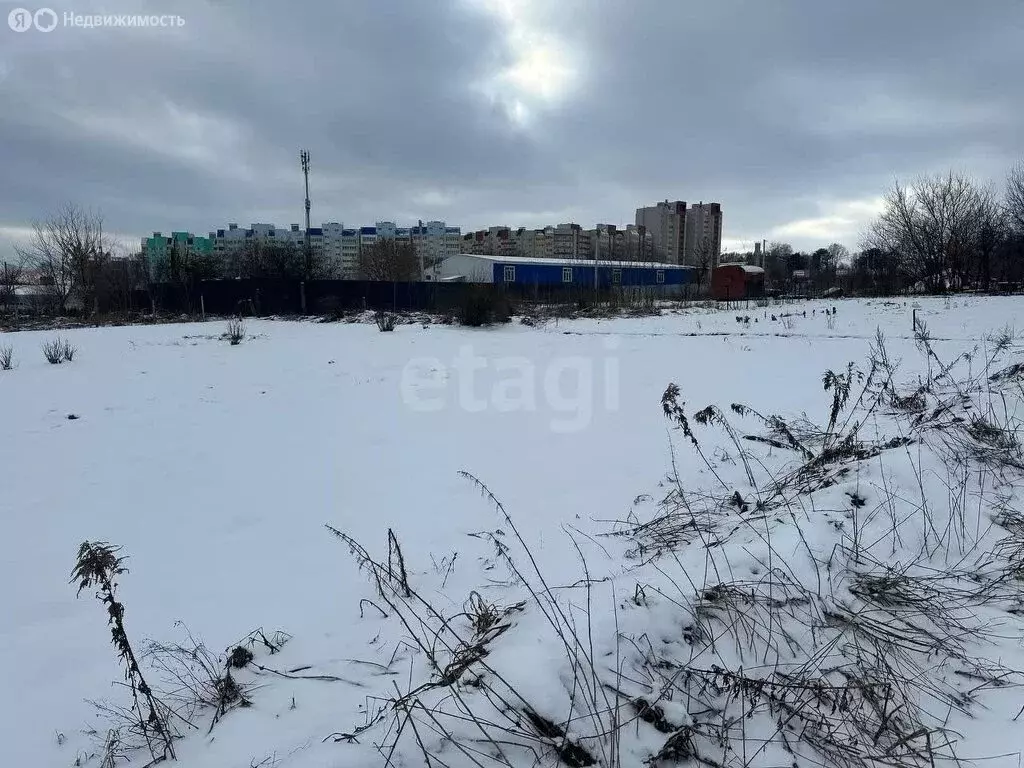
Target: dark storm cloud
point(785, 111)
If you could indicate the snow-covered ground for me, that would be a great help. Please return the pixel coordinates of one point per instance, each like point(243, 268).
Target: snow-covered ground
point(216, 467)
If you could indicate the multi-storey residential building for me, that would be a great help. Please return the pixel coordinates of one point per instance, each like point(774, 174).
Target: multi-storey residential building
point(452, 240)
point(680, 235)
point(566, 241)
point(703, 239)
point(333, 245)
point(613, 243)
point(350, 253)
point(432, 241)
point(666, 223)
point(534, 243)
point(435, 240)
point(324, 242)
point(332, 253)
point(571, 241)
point(639, 245)
point(494, 241)
point(157, 249)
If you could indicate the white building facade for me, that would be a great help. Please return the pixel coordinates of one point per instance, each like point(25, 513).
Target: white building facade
point(336, 247)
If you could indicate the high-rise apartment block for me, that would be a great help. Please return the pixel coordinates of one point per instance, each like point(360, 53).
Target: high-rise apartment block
point(666, 223)
point(702, 246)
point(689, 236)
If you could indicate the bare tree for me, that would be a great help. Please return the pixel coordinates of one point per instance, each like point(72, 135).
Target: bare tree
point(776, 262)
point(69, 250)
point(121, 275)
point(1010, 256)
point(1014, 203)
point(389, 260)
point(281, 261)
point(991, 237)
point(704, 256)
point(186, 268)
point(840, 254)
point(933, 226)
point(11, 276)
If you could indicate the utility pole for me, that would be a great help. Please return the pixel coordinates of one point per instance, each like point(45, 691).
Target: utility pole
point(304, 159)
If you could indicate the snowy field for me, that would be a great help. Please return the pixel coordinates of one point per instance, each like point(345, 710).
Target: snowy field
point(216, 467)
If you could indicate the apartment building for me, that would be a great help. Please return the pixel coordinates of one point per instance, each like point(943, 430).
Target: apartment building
point(493, 241)
point(534, 243)
point(336, 246)
point(666, 223)
point(691, 236)
point(436, 240)
point(571, 241)
point(702, 245)
point(432, 241)
point(157, 250)
point(230, 243)
point(565, 241)
point(614, 243)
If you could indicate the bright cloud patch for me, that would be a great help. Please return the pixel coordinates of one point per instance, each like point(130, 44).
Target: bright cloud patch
point(542, 71)
point(838, 221)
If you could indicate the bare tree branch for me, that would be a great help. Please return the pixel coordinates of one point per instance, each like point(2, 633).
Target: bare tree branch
point(389, 260)
point(69, 250)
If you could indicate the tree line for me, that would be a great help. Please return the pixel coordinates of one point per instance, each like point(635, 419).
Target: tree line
point(945, 232)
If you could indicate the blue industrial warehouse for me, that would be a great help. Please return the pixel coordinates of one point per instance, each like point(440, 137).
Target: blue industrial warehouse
point(520, 270)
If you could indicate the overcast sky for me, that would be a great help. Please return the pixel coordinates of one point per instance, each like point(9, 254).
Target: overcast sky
point(795, 115)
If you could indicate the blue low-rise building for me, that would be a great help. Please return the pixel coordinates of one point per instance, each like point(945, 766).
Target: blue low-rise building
point(520, 270)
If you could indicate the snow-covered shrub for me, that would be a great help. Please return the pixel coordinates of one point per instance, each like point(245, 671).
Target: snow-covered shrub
point(483, 306)
point(53, 350)
point(6, 358)
point(385, 321)
point(235, 332)
point(197, 679)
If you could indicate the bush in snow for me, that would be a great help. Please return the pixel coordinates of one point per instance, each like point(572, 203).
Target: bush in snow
point(199, 679)
point(58, 350)
point(385, 321)
point(235, 333)
point(483, 306)
point(6, 358)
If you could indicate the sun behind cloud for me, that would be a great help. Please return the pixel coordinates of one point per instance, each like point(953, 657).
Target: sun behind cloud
point(544, 69)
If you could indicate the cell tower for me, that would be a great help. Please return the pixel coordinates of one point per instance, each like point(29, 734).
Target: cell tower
point(304, 159)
